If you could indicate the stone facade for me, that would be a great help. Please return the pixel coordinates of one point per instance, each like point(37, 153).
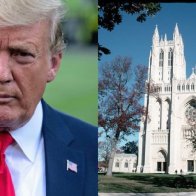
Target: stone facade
point(163, 144)
point(124, 163)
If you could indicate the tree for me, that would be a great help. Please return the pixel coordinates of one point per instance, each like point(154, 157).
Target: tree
point(110, 14)
point(104, 149)
point(119, 99)
point(130, 148)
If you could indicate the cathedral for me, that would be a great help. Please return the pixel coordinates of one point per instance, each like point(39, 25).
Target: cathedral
point(164, 137)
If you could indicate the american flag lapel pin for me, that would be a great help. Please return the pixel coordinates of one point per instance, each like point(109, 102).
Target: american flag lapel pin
point(72, 166)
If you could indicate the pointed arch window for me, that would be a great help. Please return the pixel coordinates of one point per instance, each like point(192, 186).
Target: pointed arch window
point(170, 58)
point(126, 164)
point(183, 87)
point(160, 113)
point(187, 87)
point(178, 87)
point(168, 101)
point(192, 86)
point(161, 58)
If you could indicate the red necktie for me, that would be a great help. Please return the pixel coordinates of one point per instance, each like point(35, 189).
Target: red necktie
point(6, 186)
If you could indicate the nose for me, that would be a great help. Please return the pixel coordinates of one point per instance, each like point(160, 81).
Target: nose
point(5, 70)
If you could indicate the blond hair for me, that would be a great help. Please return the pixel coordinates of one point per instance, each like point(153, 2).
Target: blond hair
point(26, 12)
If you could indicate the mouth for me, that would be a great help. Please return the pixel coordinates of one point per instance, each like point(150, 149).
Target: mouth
point(6, 98)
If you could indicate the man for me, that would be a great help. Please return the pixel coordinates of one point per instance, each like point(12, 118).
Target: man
point(52, 154)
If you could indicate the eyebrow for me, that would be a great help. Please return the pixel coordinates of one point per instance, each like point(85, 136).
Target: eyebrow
point(25, 46)
point(16, 48)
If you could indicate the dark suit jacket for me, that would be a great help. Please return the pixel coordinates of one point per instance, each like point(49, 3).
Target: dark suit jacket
point(67, 138)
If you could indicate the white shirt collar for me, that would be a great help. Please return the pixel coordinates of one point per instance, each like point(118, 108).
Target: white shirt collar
point(28, 137)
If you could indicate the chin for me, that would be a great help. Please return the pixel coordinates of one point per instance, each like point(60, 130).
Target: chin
point(9, 120)
point(14, 117)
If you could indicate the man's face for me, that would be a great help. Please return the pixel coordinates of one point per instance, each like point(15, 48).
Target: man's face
point(26, 65)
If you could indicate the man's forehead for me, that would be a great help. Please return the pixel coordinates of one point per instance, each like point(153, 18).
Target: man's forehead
point(20, 35)
point(18, 41)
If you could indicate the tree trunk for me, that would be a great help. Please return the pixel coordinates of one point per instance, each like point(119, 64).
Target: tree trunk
point(111, 160)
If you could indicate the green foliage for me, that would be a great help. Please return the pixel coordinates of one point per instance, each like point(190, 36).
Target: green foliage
point(130, 148)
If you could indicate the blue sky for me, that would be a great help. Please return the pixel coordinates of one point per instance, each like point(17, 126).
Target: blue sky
point(133, 39)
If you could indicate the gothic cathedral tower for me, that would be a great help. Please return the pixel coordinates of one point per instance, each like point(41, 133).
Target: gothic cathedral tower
point(163, 137)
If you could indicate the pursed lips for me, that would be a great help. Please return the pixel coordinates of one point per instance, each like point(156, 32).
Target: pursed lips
point(4, 97)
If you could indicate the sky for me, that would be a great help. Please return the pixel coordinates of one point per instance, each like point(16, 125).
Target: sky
point(133, 39)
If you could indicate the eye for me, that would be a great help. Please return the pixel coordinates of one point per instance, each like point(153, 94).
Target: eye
point(22, 56)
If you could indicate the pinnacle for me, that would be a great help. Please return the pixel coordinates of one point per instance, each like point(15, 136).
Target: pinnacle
point(176, 30)
point(156, 32)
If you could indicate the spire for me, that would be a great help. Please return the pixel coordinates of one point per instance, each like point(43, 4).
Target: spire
point(156, 32)
point(155, 38)
point(181, 41)
point(176, 31)
point(165, 38)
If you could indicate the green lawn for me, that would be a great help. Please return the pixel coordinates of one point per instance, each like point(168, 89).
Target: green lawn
point(74, 90)
point(146, 183)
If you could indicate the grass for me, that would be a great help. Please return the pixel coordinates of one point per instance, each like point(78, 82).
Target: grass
point(142, 183)
point(74, 90)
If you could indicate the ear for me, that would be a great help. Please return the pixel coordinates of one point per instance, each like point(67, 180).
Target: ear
point(55, 62)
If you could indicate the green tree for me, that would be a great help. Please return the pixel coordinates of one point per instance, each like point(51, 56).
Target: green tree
point(130, 148)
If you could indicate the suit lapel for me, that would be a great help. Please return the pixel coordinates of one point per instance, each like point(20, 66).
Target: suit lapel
point(58, 149)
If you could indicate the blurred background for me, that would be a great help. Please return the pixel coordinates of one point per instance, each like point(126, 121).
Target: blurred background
point(74, 91)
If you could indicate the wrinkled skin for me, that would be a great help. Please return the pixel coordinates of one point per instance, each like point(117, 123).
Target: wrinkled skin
point(26, 65)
